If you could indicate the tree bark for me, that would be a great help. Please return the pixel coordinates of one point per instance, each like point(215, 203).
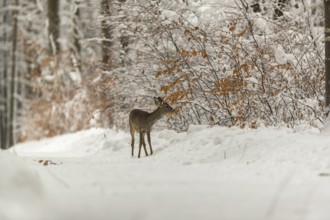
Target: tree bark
point(327, 54)
point(106, 31)
point(3, 86)
point(12, 84)
point(76, 37)
point(54, 25)
point(76, 29)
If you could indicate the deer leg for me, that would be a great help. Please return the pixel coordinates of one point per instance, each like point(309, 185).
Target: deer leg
point(149, 141)
point(132, 142)
point(144, 145)
point(140, 145)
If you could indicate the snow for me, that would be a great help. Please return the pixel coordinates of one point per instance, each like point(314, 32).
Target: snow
point(262, 25)
point(281, 57)
point(169, 15)
point(205, 173)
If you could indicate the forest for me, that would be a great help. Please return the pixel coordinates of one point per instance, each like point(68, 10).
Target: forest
point(69, 65)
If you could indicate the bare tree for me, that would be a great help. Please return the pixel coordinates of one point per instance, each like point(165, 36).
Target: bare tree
point(327, 53)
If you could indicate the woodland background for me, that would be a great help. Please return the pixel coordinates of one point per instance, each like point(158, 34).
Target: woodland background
point(68, 65)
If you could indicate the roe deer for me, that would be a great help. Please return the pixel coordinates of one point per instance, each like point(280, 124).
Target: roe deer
point(141, 121)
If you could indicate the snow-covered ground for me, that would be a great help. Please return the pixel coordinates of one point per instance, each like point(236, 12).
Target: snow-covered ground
point(206, 173)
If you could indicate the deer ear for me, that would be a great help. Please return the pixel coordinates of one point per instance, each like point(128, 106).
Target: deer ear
point(158, 101)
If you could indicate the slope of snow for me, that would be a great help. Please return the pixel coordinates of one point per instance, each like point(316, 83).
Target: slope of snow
point(206, 173)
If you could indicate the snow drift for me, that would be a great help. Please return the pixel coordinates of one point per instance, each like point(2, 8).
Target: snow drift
point(205, 173)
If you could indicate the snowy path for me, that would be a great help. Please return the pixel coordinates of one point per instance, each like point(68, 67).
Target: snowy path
point(207, 173)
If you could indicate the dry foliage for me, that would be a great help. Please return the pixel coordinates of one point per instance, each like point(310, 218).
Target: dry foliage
point(243, 75)
point(58, 99)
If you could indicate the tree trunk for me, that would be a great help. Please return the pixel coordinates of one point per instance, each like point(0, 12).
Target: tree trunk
point(3, 85)
point(106, 31)
point(54, 25)
point(12, 84)
point(76, 28)
point(327, 54)
point(76, 37)
point(8, 85)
